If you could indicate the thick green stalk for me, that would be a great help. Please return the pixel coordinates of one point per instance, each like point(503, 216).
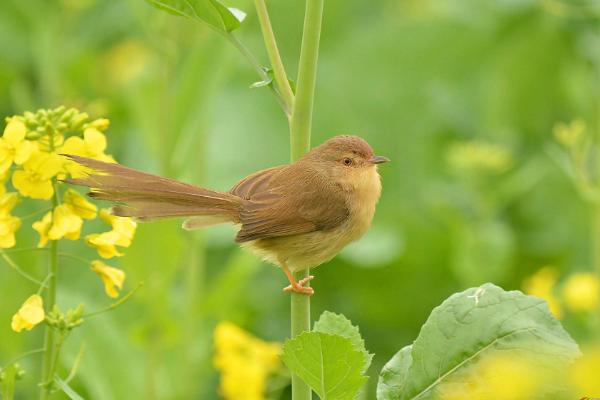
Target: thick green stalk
point(49, 337)
point(300, 127)
point(300, 123)
point(281, 79)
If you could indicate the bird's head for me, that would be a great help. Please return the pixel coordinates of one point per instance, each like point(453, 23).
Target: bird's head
point(348, 160)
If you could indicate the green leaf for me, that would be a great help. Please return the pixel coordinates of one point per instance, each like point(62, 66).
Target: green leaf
point(337, 324)
point(469, 329)
point(393, 375)
point(212, 12)
point(329, 364)
point(64, 386)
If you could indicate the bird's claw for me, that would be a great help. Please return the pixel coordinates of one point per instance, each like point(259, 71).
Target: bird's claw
point(298, 287)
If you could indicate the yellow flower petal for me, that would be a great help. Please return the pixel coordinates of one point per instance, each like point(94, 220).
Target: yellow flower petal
point(15, 131)
point(112, 278)
point(124, 226)
point(95, 141)
point(13, 145)
point(582, 292)
point(80, 205)
point(29, 315)
point(104, 243)
point(42, 227)
point(29, 184)
point(65, 222)
point(8, 226)
point(7, 202)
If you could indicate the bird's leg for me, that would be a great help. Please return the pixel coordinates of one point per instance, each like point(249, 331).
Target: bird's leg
point(294, 286)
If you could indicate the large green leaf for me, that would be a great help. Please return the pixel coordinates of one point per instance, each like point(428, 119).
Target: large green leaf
point(469, 328)
point(337, 324)
point(212, 12)
point(329, 364)
point(393, 375)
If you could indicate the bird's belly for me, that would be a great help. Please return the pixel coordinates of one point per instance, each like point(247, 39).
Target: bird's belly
point(311, 249)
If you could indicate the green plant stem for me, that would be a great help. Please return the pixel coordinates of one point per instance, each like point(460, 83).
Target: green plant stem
point(300, 127)
point(274, 57)
point(300, 123)
point(49, 338)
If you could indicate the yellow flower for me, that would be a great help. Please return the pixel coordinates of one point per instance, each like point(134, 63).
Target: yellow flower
point(541, 284)
point(8, 224)
point(582, 292)
point(13, 145)
point(29, 315)
point(35, 179)
point(42, 227)
point(92, 145)
point(104, 243)
point(123, 230)
point(504, 376)
point(477, 156)
point(80, 206)
point(569, 135)
point(124, 226)
point(245, 362)
point(111, 277)
point(584, 373)
point(66, 220)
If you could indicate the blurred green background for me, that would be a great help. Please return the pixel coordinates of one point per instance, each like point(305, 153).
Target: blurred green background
point(416, 78)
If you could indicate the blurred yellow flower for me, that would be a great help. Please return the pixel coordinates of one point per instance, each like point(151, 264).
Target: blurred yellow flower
point(123, 230)
point(569, 135)
point(29, 315)
point(34, 180)
point(112, 278)
point(13, 145)
point(581, 292)
point(9, 224)
point(245, 362)
point(3, 178)
point(92, 145)
point(584, 374)
point(509, 376)
point(477, 156)
point(66, 220)
point(541, 284)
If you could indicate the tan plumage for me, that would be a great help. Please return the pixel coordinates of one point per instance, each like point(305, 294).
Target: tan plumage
point(296, 216)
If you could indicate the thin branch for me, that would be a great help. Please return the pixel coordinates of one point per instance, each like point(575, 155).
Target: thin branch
point(116, 303)
point(281, 79)
point(17, 269)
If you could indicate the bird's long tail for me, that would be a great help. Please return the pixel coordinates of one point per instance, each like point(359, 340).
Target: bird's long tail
point(147, 197)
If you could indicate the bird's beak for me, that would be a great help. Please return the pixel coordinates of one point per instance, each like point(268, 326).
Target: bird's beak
point(378, 160)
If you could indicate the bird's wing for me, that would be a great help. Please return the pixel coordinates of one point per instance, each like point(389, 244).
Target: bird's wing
point(275, 208)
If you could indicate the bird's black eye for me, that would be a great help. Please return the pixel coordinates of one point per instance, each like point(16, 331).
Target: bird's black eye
point(347, 161)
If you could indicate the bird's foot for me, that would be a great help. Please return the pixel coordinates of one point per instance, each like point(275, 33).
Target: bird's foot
point(298, 287)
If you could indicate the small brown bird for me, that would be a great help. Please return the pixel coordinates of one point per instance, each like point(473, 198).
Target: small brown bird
point(296, 216)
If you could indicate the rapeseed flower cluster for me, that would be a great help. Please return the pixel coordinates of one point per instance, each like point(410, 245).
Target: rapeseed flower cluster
point(32, 167)
point(245, 362)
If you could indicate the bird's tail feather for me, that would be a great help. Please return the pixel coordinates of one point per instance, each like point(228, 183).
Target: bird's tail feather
point(147, 197)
